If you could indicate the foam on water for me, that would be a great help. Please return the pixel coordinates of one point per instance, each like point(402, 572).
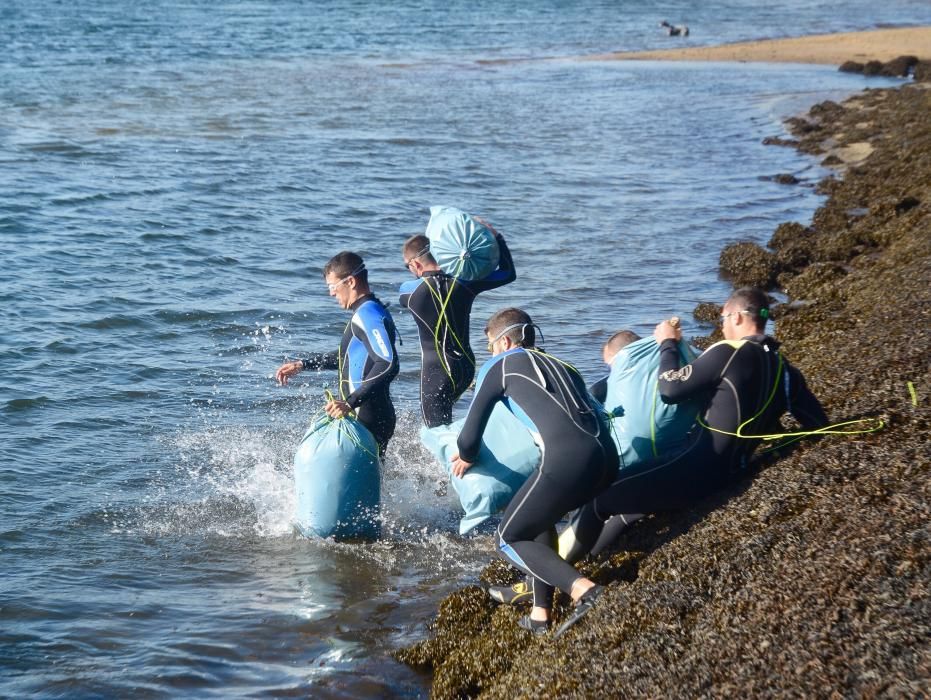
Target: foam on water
point(239, 481)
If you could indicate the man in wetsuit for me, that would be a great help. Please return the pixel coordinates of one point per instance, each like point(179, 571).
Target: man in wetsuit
point(366, 360)
point(521, 591)
point(441, 305)
point(613, 345)
point(746, 385)
point(579, 458)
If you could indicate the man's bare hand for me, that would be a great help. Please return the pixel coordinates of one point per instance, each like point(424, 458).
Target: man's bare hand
point(288, 369)
point(666, 331)
point(337, 409)
point(459, 465)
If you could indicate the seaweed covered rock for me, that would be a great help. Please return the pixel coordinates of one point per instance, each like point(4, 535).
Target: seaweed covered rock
point(806, 284)
point(850, 67)
point(873, 68)
point(749, 265)
point(811, 577)
point(787, 234)
point(899, 67)
point(792, 245)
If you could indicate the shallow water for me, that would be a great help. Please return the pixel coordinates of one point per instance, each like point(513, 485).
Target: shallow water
point(174, 175)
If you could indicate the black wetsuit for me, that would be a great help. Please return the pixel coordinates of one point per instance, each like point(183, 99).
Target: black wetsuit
point(579, 457)
point(367, 362)
point(599, 390)
point(441, 305)
point(746, 385)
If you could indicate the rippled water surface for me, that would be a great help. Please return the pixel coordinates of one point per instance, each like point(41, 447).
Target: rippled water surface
point(174, 174)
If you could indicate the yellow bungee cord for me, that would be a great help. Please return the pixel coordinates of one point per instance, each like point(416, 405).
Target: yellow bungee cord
point(444, 302)
point(796, 435)
point(328, 395)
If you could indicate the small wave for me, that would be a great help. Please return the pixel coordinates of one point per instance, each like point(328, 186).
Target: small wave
point(21, 405)
point(64, 148)
point(194, 316)
point(115, 321)
point(221, 261)
point(81, 199)
point(62, 347)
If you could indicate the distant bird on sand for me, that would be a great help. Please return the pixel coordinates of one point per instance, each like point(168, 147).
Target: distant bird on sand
point(675, 29)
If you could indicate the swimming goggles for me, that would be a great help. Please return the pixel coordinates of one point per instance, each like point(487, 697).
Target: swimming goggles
point(523, 333)
point(407, 263)
point(333, 286)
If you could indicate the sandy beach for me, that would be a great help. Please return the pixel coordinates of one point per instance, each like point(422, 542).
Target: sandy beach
point(875, 45)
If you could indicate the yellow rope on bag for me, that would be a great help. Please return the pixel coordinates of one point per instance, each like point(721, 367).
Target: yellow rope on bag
point(339, 366)
point(798, 435)
point(328, 395)
point(444, 302)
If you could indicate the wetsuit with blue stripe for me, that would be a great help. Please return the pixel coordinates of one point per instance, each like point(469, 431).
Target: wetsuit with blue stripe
point(441, 305)
point(579, 457)
point(744, 384)
point(367, 362)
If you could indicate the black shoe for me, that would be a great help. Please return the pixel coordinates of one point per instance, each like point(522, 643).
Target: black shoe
point(582, 608)
point(536, 627)
point(519, 592)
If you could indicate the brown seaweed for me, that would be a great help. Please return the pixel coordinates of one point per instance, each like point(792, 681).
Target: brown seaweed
point(810, 578)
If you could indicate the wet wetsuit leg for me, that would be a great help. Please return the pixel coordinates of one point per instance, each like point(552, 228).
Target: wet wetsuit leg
point(668, 482)
point(379, 417)
point(613, 528)
point(526, 535)
point(438, 392)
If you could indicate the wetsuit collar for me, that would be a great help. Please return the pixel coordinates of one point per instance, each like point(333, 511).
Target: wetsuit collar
point(361, 300)
point(432, 273)
point(761, 339)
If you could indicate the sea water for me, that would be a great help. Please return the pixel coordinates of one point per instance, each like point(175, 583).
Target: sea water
point(174, 174)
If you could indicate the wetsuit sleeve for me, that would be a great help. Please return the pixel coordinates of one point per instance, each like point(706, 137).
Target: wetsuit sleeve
point(699, 376)
point(505, 274)
point(321, 360)
point(407, 291)
point(802, 404)
point(374, 334)
point(490, 390)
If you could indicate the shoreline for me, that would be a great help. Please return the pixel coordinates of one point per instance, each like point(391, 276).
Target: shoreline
point(812, 576)
point(834, 49)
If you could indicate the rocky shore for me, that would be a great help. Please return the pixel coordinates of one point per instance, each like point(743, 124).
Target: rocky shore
point(811, 577)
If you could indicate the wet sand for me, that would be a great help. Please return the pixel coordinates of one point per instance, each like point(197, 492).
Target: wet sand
point(879, 44)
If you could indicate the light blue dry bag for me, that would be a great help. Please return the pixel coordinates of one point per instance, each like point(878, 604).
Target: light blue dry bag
point(645, 426)
point(336, 474)
point(506, 458)
point(462, 245)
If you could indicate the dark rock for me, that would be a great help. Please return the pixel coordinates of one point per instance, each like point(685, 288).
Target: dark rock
point(832, 160)
point(793, 245)
point(898, 67)
point(748, 265)
point(922, 72)
point(873, 68)
point(786, 179)
point(779, 141)
point(807, 284)
point(707, 312)
point(851, 67)
point(906, 204)
point(800, 126)
point(826, 110)
point(787, 233)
